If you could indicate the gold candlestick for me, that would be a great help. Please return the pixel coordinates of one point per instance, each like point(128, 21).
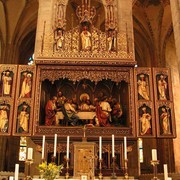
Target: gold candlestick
point(84, 138)
point(53, 159)
point(154, 163)
point(113, 174)
point(67, 169)
point(28, 174)
point(126, 169)
point(100, 169)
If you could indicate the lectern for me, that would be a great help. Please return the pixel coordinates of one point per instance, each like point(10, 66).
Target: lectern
point(84, 159)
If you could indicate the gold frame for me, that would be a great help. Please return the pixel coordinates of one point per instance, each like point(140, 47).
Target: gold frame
point(141, 102)
point(9, 99)
point(166, 103)
point(77, 73)
point(28, 101)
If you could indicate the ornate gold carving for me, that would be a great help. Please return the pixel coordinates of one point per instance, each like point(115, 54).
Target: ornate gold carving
point(72, 49)
point(94, 74)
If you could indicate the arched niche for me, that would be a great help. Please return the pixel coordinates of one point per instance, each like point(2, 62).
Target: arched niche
point(71, 14)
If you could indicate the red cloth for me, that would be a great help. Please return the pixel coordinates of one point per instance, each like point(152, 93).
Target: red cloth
point(50, 118)
point(102, 117)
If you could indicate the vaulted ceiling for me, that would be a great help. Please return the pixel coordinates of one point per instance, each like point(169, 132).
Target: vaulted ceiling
point(152, 29)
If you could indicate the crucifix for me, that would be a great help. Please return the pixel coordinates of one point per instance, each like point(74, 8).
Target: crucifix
point(84, 138)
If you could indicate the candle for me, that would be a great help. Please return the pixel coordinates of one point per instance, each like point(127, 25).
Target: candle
point(169, 178)
point(113, 145)
point(100, 147)
point(55, 144)
point(11, 178)
point(165, 172)
point(125, 148)
point(154, 154)
point(43, 144)
point(30, 154)
point(16, 175)
point(67, 155)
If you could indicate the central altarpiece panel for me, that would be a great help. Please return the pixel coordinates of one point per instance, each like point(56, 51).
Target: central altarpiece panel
point(89, 52)
point(83, 87)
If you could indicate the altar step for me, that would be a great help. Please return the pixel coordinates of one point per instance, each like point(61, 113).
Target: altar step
point(96, 178)
point(174, 176)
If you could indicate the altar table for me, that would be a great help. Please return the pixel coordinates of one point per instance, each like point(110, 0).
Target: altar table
point(83, 115)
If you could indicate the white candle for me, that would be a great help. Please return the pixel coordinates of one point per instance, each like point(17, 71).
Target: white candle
point(113, 145)
point(67, 155)
point(16, 175)
point(11, 178)
point(169, 178)
point(55, 144)
point(100, 147)
point(43, 145)
point(125, 148)
point(30, 154)
point(154, 154)
point(165, 172)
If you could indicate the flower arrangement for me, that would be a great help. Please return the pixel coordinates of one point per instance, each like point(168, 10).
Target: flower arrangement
point(49, 171)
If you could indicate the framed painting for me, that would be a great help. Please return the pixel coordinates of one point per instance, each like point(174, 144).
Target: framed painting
point(69, 99)
point(5, 116)
point(23, 111)
point(7, 80)
point(145, 120)
point(162, 84)
point(166, 127)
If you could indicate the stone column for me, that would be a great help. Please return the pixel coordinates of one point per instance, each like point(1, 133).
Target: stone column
point(175, 9)
point(125, 22)
point(44, 23)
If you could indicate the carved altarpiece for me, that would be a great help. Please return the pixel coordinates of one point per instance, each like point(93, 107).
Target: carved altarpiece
point(100, 63)
point(164, 105)
point(24, 101)
point(8, 78)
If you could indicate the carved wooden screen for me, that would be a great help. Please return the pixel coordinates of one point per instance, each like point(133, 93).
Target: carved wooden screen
point(164, 106)
point(24, 100)
point(8, 75)
point(144, 102)
point(92, 82)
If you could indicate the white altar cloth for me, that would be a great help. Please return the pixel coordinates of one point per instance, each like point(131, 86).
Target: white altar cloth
point(81, 114)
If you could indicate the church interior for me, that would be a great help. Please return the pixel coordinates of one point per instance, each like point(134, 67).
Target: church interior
point(91, 86)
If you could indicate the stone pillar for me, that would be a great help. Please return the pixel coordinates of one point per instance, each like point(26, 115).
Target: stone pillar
point(125, 22)
point(175, 9)
point(44, 23)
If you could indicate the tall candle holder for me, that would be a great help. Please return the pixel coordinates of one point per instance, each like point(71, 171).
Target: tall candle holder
point(154, 163)
point(126, 169)
point(100, 169)
point(53, 159)
point(67, 169)
point(113, 173)
point(28, 174)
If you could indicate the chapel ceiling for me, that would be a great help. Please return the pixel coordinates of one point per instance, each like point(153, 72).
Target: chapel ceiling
point(152, 27)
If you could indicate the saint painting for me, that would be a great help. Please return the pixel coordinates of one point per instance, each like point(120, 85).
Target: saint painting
point(145, 121)
point(162, 87)
point(143, 87)
point(23, 118)
point(4, 117)
point(6, 83)
point(26, 85)
point(165, 119)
